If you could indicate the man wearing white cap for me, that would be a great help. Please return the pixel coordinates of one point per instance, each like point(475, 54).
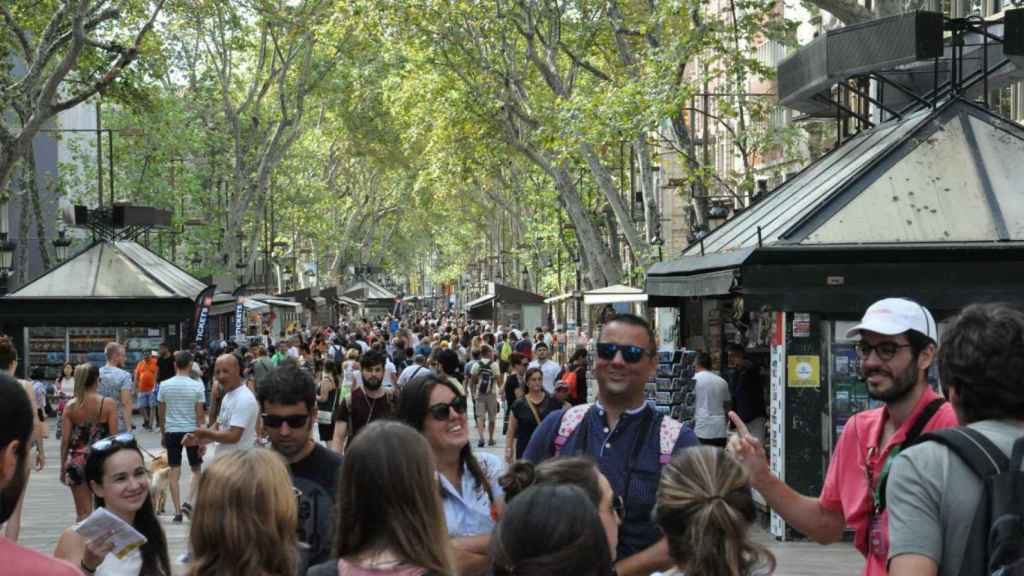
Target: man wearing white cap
point(897, 340)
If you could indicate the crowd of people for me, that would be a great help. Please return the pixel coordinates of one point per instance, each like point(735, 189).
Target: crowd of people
point(347, 450)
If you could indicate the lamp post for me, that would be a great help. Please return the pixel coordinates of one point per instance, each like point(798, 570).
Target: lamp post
point(61, 244)
point(7, 248)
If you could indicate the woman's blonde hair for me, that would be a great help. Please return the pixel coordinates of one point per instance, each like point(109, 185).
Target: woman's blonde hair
point(245, 517)
point(86, 376)
point(705, 507)
point(404, 513)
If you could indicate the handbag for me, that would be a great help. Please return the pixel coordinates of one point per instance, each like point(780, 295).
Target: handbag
point(326, 417)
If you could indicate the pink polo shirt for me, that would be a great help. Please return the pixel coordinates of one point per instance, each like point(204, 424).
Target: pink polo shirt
point(846, 487)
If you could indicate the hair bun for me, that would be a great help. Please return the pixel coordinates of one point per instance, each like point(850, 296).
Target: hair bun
point(520, 476)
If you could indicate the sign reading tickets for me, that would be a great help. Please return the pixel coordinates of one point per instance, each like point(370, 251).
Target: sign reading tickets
point(804, 372)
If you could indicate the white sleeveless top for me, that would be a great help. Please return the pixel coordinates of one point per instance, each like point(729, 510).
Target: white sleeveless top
point(131, 565)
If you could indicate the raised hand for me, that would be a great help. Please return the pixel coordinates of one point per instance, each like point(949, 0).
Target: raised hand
point(748, 450)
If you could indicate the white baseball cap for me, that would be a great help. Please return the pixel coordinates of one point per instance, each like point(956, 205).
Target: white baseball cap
point(893, 316)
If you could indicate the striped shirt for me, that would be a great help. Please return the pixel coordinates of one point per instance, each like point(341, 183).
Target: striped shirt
point(180, 396)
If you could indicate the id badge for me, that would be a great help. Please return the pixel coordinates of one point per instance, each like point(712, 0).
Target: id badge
point(878, 544)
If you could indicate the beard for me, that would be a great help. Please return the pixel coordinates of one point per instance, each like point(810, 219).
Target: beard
point(372, 383)
point(11, 493)
point(902, 384)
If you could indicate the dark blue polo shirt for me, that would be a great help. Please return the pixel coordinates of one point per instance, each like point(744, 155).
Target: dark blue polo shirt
point(621, 457)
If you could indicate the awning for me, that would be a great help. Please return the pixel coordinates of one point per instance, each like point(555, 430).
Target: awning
point(559, 298)
point(281, 303)
point(346, 301)
point(481, 301)
point(318, 301)
point(615, 294)
point(256, 306)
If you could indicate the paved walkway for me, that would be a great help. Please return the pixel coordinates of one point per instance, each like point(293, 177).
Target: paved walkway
point(49, 510)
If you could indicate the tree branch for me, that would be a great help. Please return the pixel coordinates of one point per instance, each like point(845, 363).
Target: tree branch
point(19, 34)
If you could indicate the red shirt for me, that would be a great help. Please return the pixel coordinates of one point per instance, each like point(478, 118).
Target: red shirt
point(26, 562)
point(846, 487)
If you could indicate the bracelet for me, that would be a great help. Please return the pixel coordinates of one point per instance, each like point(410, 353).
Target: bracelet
point(85, 568)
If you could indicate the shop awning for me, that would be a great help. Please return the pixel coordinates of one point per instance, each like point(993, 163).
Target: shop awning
point(346, 301)
point(280, 303)
point(917, 197)
point(505, 295)
point(559, 298)
point(615, 294)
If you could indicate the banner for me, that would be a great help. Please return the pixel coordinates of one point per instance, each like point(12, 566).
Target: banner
point(202, 314)
point(239, 313)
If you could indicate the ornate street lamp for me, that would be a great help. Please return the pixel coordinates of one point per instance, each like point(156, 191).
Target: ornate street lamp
point(61, 244)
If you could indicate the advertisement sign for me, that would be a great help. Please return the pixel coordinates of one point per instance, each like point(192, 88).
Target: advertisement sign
point(804, 372)
point(202, 314)
point(777, 412)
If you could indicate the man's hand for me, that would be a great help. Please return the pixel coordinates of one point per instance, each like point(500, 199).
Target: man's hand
point(748, 450)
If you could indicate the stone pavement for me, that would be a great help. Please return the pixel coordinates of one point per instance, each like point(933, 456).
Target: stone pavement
point(49, 510)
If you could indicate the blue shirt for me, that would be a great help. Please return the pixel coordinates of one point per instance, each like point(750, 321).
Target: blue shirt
point(614, 450)
point(469, 513)
point(112, 381)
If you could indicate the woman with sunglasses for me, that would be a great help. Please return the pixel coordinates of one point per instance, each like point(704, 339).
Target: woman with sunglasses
point(87, 418)
point(527, 413)
point(116, 473)
point(581, 472)
point(470, 492)
point(246, 517)
point(393, 528)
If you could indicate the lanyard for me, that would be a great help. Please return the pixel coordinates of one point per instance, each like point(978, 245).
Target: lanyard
point(876, 489)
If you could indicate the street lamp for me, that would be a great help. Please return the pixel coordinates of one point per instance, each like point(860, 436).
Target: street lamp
point(61, 244)
point(7, 248)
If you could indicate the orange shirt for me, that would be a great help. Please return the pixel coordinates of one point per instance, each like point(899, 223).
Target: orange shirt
point(145, 374)
point(846, 487)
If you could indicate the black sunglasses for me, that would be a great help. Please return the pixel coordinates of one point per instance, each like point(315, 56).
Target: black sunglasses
point(442, 411)
point(122, 440)
point(294, 421)
point(630, 354)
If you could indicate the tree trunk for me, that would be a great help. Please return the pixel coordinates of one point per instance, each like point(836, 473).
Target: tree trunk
point(37, 210)
point(652, 219)
point(607, 186)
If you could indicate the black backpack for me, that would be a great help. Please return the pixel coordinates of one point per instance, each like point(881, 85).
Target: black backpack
point(484, 377)
point(995, 546)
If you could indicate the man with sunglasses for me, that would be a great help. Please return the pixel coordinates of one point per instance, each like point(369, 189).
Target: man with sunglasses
point(15, 437)
point(896, 348)
point(624, 434)
point(287, 400)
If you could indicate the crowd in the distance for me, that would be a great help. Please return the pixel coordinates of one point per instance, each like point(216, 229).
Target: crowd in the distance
point(368, 469)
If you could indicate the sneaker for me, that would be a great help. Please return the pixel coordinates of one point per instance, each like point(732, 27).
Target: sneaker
point(185, 558)
point(480, 444)
point(177, 518)
point(186, 508)
point(491, 442)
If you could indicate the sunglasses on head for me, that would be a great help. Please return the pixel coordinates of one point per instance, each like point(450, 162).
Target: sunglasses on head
point(630, 354)
point(122, 440)
point(294, 421)
point(442, 411)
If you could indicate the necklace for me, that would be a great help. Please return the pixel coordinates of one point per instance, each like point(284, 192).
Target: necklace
point(370, 405)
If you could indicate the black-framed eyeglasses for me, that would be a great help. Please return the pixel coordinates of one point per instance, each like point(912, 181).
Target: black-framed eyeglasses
point(442, 411)
point(886, 350)
point(630, 354)
point(294, 421)
point(122, 440)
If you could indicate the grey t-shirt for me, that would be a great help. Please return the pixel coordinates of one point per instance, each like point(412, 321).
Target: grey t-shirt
point(932, 497)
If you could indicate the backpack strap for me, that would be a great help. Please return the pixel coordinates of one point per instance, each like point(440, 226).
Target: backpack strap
point(979, 453)
point(922, 420)
point(670, 430)
point(571, 420)
point(912, 437)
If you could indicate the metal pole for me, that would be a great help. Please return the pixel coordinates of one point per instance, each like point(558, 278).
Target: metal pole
point(110, 160)
point(99, 154)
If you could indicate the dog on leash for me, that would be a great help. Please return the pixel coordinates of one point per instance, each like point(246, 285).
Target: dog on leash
point(160, 480)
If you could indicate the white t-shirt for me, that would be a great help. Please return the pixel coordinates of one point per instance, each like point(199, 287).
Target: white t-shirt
point(389, 371)
point(550, 370)
point(711, 393)
point(238, 408)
